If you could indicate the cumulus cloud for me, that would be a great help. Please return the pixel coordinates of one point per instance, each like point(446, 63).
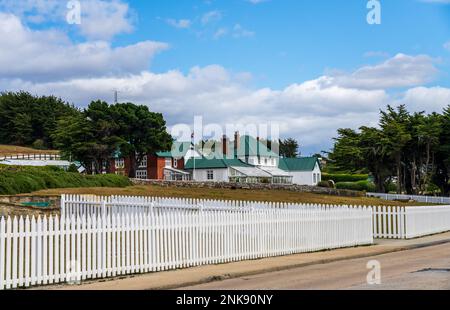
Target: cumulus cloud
point(428, 99)
point(308, 110)
point(50, 54)
point(100, 19)
point(396, 72)
point(48, 62)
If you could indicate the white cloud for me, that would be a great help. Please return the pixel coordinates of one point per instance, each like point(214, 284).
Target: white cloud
point(181, 23)
point(211, 16)
point(49, 54)
point(428, 99)
point(48, 62)
point(308, 110)
point(447, 45)
point(396, 72)
point(104, 19)
point(100, 19)
point(240, 32)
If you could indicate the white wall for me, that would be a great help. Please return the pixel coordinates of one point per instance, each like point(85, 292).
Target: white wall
point(220, 175)
point(306, 177)
point(253, 160)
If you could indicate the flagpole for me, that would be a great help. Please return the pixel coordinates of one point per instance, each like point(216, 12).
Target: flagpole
point(193, 154)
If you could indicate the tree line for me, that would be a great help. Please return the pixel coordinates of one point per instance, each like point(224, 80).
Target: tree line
point(91, 136)
point(408, 150)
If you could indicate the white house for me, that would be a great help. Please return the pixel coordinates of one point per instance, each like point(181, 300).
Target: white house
point(225, 170)
point(304, 170)
point(248, 160)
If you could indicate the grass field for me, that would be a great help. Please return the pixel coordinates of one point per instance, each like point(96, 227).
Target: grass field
point(227, 194)
point(8, 150)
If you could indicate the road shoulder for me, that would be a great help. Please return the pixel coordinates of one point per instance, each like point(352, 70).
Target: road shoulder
point(205, 274)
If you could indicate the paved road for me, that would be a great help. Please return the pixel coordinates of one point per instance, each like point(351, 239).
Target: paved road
point(424, 268)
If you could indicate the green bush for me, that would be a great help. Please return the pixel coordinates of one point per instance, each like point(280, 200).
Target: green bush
point(17, 180)
point(72, 168)
point(39, 144)
point(357, 186)
point(339, 178)
point(326, 184)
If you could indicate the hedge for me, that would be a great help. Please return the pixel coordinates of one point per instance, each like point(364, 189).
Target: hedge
point(19, 180)
point(357, 186)
point(338, 178)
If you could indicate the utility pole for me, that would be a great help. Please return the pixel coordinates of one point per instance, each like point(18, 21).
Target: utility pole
point(116, 97)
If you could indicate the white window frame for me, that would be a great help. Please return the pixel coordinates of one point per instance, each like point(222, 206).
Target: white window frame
point(120, 163)
point(168, 162)
point(175, 163)
point(141, 174)
point(210, 175)
point(143, 163)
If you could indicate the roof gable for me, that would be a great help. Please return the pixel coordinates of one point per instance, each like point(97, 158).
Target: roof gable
point(250, 146)
point(299, 164)
point(179, 149)
point(205, 163)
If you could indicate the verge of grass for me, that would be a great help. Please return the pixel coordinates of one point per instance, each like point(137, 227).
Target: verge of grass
point(16, 180)
point(227, 194)
point(9, 150)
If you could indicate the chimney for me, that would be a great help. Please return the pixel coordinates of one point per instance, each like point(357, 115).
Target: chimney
point(237, 142)
point(225, 146)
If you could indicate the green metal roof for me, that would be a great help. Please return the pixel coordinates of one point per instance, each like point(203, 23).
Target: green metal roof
point(179, 149)
point(298, 164)
point(250, 146)
point(204, 163)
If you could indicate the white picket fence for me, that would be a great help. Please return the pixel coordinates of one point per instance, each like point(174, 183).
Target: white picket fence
point(410, 222)
point(388, 222)
point(426, 199)
point(75, 248)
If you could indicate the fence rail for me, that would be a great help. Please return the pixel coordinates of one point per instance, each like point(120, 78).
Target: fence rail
point(75, 248)
point(387, 222)
point(31, 157)
point(426, 199)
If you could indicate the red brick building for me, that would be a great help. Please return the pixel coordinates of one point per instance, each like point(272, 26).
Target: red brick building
point(159, 166)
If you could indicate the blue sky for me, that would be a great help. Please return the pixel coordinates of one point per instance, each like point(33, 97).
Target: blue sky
point(311, 66)
point(292, 40)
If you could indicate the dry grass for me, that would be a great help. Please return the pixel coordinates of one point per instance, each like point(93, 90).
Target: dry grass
point(8, 150)
point(227, 194)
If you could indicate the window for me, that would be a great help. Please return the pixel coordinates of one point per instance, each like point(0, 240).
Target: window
point(141, 174)
point(175, 163)
point(120, 163)
point(210, 175)
point(168, 162)
point(315, 178)
point(143, 163)
point(265, 161)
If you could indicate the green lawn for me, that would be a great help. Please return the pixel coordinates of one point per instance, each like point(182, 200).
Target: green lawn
point(227, 194)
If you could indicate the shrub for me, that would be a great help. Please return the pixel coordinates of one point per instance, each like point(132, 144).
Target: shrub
point(72, 168)
point(357, 186)
point(326, 184)
point(39, 144)
point(339, 178)
point(17, 180)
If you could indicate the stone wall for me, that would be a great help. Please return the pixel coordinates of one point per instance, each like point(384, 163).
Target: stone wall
point(226, 185)
point(12, 205)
